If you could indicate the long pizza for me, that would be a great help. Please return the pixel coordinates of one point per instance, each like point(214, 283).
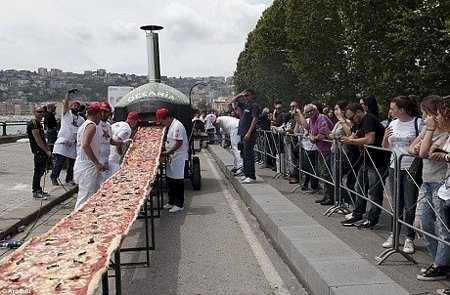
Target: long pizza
point(72, 256)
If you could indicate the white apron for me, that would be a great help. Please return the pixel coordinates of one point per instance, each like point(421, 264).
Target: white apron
point(176, 161)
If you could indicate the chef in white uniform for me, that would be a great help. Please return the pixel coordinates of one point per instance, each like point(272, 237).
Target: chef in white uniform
point(121, 131)
point(104, 130)
point(176, 153)
point(88, 167)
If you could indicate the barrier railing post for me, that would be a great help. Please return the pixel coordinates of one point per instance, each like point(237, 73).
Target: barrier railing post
point(4, 128)
point(396, 216)
point(337, 172)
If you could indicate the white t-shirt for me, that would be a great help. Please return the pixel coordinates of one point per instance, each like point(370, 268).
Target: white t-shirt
point(105, 133)
point(175, 165)
point(306, 143)
point(228, 123)
point(209, 120)
point(122, 131)
point(403, 135)
point(65, 144)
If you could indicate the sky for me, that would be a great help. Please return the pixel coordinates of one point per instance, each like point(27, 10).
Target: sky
point(200, 37)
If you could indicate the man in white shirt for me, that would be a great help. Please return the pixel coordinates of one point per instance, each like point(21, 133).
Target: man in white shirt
point(229, 125)
point(176, 154)
point(121, 131)
point(209, 126)
point(65, 145)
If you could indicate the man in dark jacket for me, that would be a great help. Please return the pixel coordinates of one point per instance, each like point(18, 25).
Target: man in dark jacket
point(40, 150)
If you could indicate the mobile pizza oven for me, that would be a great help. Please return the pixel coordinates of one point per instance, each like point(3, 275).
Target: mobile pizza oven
point(148, 98)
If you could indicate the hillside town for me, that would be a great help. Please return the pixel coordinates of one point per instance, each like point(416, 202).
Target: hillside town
point(21, 90)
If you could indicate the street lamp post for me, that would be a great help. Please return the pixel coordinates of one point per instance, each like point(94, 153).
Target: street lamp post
point(190, 92)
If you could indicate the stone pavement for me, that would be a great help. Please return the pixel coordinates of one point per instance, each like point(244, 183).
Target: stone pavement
point(17, 204)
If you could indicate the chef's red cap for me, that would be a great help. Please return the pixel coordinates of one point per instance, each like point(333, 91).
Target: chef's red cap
point(133, 116)
point(104, 106)
point(162, 113)
point(93, 108)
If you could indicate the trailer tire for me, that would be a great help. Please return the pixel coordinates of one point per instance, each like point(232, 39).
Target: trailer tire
point(196, 175)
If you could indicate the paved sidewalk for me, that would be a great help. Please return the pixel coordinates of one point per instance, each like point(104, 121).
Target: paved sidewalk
point(330, 258)
point(17, 204)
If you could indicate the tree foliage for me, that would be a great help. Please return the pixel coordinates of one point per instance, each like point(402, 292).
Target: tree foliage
point(333, 50)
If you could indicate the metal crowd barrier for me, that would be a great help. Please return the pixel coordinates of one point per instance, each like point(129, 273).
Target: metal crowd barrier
point(5, 125)
point(264, 151)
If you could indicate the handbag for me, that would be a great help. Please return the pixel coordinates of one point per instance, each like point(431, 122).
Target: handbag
point(415, 170)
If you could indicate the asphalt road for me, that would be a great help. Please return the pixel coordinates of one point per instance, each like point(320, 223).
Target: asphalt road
point(214, 247)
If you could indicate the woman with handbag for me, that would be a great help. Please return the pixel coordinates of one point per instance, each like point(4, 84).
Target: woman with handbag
point(399, 135)
point(429, 205)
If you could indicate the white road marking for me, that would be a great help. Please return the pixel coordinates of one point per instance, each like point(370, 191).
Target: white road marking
point(272, 276)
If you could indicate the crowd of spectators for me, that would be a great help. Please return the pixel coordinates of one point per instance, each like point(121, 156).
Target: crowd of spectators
point(311, 136)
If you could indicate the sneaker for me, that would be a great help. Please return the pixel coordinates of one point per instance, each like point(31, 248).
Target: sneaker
point(443, 291)
point(389, 243)
point(168, 206)
point(248, 180)
point(433, 273)
point(294, 181)
point(327, 202)
point(243, 177)
point(71, 182)
point(54, 181)
point(351, 221)
point(408, 247)
point(176, 209)
point(239, 171)
point(40, 196)
point(366, 224)
point(234, 170)
point(349, 216)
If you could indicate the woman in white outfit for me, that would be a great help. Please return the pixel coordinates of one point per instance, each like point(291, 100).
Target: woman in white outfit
point(87, 167)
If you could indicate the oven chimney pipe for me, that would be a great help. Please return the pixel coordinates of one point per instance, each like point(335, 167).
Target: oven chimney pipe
point(154, 70)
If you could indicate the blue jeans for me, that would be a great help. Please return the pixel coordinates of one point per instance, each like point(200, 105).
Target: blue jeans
point(443, 251)
point(408, 197)
point(248, 155)
point(369, 181)
point(427, 205)
point(345, 197)
point(58, 164)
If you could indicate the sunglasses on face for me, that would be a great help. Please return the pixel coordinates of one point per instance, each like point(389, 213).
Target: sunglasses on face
point(39, 112)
